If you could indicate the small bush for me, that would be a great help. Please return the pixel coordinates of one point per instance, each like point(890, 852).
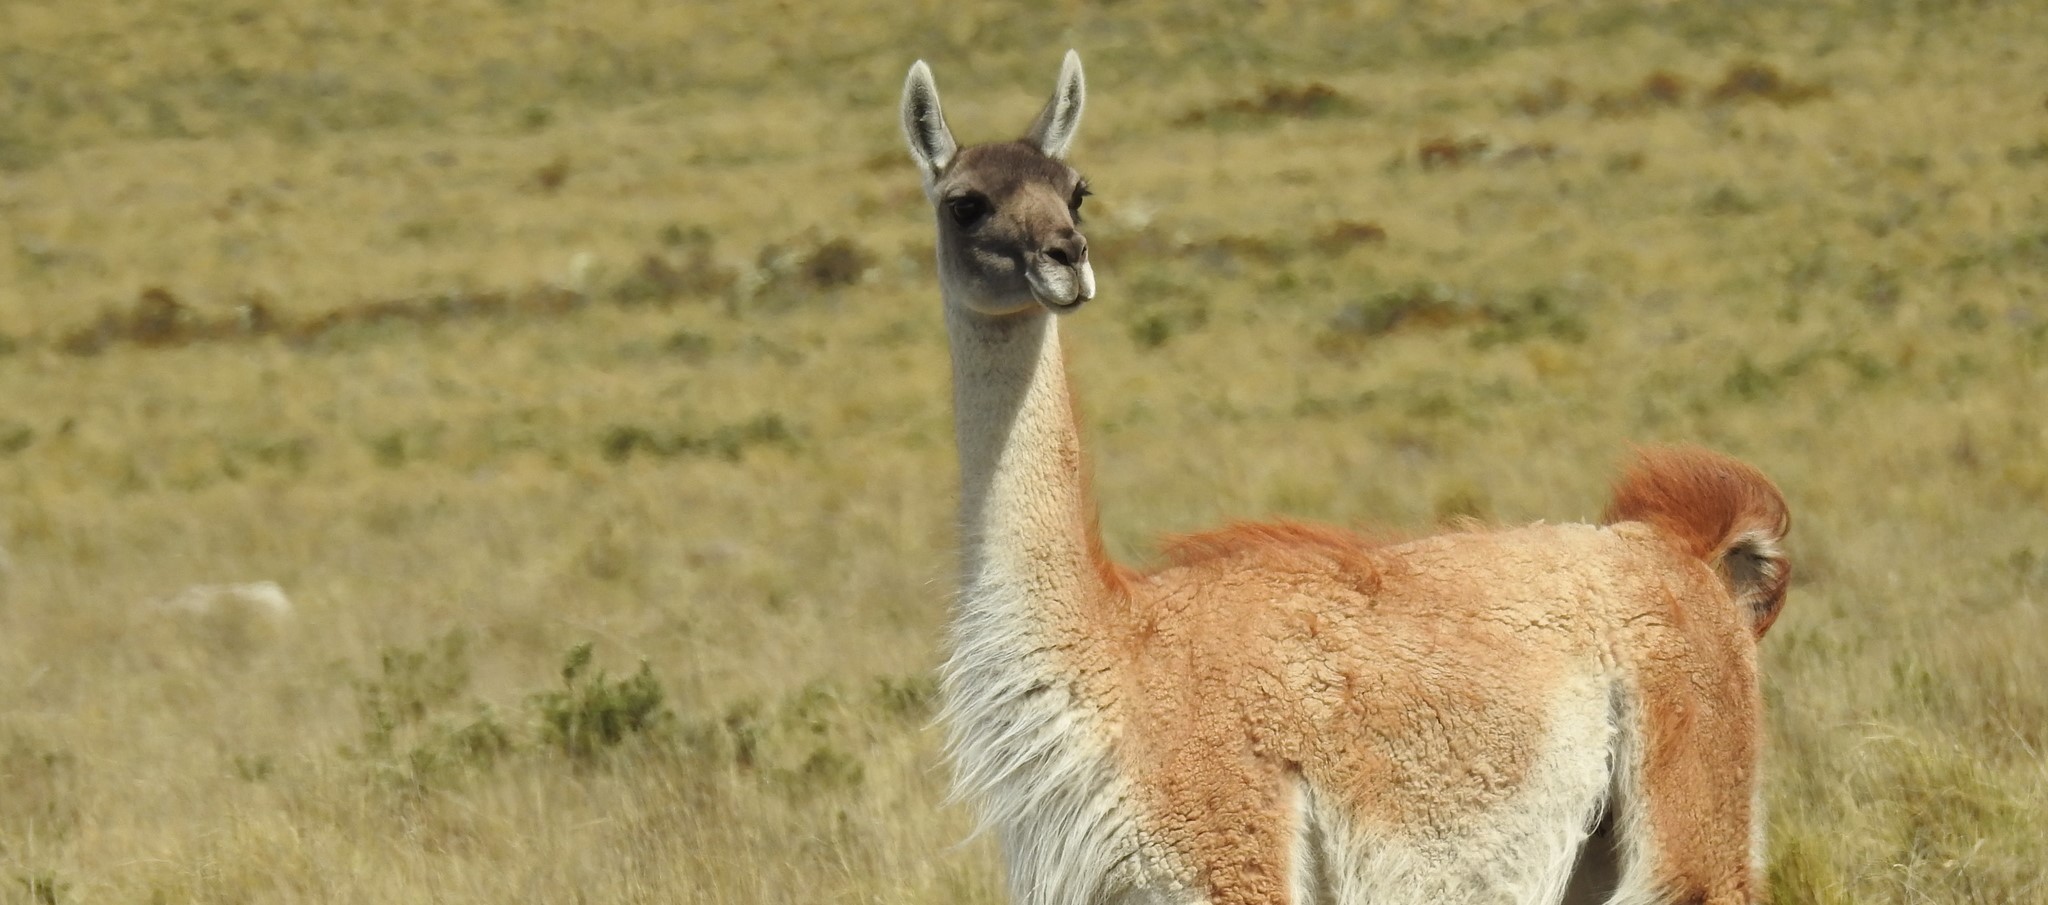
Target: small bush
point(1751, 383)
point(1761, 81)
point(1155, 328)
point(1881, 290)
point(809, 270)
point(592, 713)
point(1659, 90)
point(409, 685)
point(1444, 152)
point(15, 437)
point(1534, 314)
point(684, 269)
point(449, 750)
point(40, 788)
point(689, 346)
point(838, 262)
point(727, 442)
point(1344, 235)
point(1727, 201)
point(1313, 100)
point(2028, 155)
point(253, 767)
point(826, 769)
point(1428, 305)
point(912, 698)
point(1544, 99)
point(1151, 331)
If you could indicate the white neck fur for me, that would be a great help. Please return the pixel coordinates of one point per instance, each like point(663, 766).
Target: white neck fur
point(1026, 745)
point(1024, 514)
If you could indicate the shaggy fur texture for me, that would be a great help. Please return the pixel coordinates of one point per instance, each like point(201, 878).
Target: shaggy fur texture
point(1288, 713)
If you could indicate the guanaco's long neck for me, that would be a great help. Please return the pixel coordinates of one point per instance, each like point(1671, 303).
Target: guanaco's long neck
point(1027, 523)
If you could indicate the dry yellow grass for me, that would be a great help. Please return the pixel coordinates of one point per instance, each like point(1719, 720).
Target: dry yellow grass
point(658, 367)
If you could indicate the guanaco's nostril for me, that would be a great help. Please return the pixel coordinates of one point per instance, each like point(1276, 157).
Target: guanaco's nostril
point(1069, 250)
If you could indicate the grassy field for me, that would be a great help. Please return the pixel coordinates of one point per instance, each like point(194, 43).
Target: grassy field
point(494, 329)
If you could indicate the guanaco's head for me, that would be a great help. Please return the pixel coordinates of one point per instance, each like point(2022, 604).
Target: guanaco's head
point(1009, 213)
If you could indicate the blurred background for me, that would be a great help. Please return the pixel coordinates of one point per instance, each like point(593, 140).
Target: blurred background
point(478, 451)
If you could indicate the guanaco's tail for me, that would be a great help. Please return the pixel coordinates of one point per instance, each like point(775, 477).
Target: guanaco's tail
point(1718, 509)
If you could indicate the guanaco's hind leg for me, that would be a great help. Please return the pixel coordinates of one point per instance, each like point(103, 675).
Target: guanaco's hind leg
point(1597, 874)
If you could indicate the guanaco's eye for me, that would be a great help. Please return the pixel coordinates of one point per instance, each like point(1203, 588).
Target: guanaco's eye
point(967, 210)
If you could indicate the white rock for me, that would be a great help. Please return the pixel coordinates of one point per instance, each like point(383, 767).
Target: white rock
point(265, 599)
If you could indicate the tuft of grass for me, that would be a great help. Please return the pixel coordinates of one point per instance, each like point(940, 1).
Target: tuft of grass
point(43, 888)
point(40, 782)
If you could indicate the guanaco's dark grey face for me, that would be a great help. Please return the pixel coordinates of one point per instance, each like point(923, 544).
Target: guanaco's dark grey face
point(1009, 213)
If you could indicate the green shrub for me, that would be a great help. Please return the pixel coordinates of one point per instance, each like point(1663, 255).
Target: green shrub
point(727, 442)
point(407, 735)
point(409, 685)
point(592, 714)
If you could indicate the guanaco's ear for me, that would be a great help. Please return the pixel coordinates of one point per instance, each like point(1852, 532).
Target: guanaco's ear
point(1053, 132)
point(924, 124)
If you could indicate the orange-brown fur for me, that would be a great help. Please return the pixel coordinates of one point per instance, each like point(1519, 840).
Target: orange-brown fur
point(1230, 667)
